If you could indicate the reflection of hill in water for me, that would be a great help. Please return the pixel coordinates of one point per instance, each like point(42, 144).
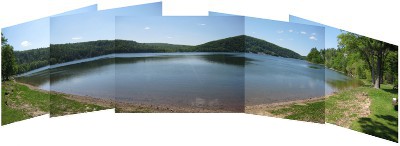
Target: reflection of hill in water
point(80, 69)
point(228, 59)
point(35, 79)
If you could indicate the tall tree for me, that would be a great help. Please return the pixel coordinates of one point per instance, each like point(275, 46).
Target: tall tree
point(3, 40)
point(373, 52)
point(315, 56)
point(7, 59)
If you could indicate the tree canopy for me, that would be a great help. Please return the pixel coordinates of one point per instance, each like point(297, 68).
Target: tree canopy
point(8, 66)
point(373, 53)
point(361, 57)
point(315, 56)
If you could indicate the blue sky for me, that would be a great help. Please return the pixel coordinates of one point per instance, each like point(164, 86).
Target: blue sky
point(96, 25)
point(297, 37)
point(35, 34)
point(331, 33)
point(210, 13)
point(185, 30)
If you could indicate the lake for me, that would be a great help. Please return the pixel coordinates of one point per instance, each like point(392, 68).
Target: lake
point(270, 79)
point(204, 80)
point(223, 81)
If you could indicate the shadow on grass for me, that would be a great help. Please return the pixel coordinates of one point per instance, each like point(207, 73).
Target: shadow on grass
point(379, 129)
point(393, 91)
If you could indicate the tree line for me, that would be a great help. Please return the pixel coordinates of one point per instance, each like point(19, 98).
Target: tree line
point(360, 57)
point(24, 61)
point(60, 53)
point(255, 45)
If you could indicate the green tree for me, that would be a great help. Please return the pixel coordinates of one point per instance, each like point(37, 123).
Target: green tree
point(8, 66)
point(3, 40)
point(315, 56)
point(372, 51)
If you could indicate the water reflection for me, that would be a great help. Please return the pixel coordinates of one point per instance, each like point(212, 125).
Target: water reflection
point(270, 79)
point(208, 81)
point(336, 81)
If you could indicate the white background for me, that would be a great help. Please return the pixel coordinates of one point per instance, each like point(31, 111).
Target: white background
point(376, 19)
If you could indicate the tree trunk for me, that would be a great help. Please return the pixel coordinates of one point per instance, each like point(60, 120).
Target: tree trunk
point(373, 76)
point(377, 84)
point(381, 72)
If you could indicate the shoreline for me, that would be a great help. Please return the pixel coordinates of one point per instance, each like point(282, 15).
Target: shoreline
point(127, 107)
point(265, 109)
point(283, 103)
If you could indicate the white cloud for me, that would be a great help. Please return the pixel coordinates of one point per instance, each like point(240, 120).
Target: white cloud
point(76, 38)
point(290, 30)
point(313, 38)
point(279, 31)
point(169, 37)
point(303, 32)
point(25, 44)
point(202, 24)
point(146, 28)
point(314, 33)
point(280, 39)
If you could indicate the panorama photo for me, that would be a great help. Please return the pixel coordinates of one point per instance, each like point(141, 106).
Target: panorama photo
point(362, 81)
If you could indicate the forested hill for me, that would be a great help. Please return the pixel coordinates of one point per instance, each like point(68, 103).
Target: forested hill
point(60, 53)
point(126, 46)
point(255, 45)
point(231, 44)
point(31, 59)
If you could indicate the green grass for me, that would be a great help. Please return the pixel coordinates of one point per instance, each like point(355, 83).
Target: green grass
point(62, 106)
point(311, 112)
point(22, 103)
point(9, 115)
point(382, 120)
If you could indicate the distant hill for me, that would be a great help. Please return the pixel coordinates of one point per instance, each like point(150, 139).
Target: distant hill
point(127, 46)
point(255, 45)
point(60, 53)
point(231, 44)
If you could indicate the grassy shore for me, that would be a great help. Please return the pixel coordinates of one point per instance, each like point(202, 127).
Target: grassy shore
point(20, 102)
point(61, 105)
point(310, 110)
point(366, 110)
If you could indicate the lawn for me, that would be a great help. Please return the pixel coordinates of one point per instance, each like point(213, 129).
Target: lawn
point(20, 102)
point(366, 110)
point(310, 111)
point(59, 106)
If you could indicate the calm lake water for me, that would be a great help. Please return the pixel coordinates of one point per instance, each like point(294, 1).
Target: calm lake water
point(270, 79)
point(207, 80)
point(93, 77)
